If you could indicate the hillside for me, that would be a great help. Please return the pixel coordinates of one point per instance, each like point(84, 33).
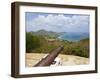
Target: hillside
point(48, 34)
point(44, 41)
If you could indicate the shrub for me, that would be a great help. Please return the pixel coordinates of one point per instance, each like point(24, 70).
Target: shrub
point(32, 42)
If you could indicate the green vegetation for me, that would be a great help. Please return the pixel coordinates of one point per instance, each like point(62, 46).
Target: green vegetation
point(80, 48)
point(48, 34)
point(38, 43)
point(32, 42)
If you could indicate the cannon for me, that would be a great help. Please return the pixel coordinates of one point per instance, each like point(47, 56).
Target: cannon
point(48, 60)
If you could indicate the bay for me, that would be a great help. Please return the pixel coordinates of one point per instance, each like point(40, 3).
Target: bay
point(73, 36)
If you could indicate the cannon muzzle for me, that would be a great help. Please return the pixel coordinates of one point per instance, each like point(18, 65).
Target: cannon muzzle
point(47, 61)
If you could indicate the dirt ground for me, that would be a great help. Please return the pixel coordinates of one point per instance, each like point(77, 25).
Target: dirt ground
point(67, 60)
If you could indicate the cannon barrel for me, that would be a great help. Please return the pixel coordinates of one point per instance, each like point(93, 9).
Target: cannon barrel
point(47, 61)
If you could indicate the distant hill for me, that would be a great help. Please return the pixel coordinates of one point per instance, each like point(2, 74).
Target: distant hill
point(48, 34)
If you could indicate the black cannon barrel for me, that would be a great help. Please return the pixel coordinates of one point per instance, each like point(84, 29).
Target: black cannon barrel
point(47, 61)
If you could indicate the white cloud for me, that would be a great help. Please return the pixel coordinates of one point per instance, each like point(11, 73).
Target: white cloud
point(59, 23)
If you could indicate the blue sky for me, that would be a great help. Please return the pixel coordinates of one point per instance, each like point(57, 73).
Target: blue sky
point(56, 22)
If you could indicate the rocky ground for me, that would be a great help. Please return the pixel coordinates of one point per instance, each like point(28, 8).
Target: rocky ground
point(67, 60)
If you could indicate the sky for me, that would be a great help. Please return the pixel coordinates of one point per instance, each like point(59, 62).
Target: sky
point(56, 22)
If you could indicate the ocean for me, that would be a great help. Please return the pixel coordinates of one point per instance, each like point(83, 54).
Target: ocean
point(73, 36)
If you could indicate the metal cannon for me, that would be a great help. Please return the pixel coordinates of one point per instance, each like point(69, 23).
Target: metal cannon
point(47, 61)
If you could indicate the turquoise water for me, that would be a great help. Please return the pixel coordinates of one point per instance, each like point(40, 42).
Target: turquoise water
point(73, 36)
